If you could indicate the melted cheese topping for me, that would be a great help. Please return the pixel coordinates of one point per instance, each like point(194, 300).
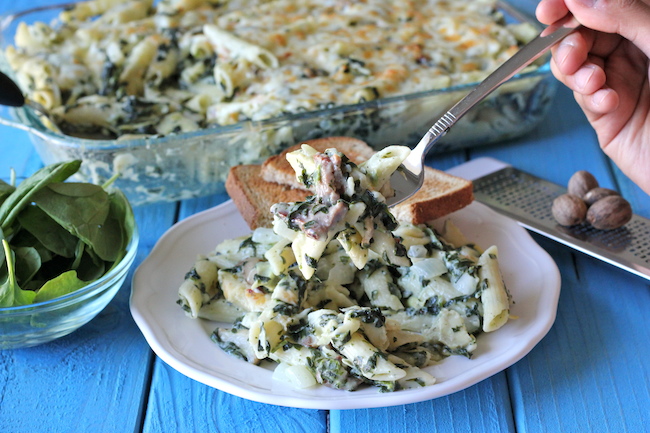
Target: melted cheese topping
point(116, 67)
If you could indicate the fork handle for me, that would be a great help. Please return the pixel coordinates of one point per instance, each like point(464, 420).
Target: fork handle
point(522, 58)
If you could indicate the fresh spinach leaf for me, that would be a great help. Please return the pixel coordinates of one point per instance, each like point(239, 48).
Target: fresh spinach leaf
point(10, 293)
point(23, 193)
point(23, 238)
point(2, 237)
point(6, 295)
point(83, 210)
point(28, 262)
point(5, 190)
point(109, 242)
point(121, 209)
point(58, 236)
point(6, 291)
point(33, 285)
point(78, 254)
point(47, 231)
point(91, 266)
point(59, 286)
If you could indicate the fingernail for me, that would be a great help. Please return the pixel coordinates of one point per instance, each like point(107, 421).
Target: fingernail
point(600, 96)
point(563, 51)
point(583, 76)
point(586, 3)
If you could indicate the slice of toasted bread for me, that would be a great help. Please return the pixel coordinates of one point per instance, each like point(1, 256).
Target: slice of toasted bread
point(277, 168)
point(254, 188)
point(254, 196)
point(440, 195)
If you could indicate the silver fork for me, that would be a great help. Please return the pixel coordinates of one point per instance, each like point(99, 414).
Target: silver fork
point(409, 177)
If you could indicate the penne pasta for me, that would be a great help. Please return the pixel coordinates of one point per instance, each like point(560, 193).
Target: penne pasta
point(341, 321)
point(236, 48)
point(263, 59)
point(494, 295)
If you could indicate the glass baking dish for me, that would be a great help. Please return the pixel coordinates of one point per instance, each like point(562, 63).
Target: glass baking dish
point(195, 164)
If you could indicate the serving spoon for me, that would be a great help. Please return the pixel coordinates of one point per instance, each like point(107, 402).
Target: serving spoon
point(409, 176)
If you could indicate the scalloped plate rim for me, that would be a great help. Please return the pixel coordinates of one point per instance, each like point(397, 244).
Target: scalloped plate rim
point(184, 343)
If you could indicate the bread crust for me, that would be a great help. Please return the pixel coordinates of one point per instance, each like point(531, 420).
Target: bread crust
point(254, 196)
point(255, 188)
point(440, 195)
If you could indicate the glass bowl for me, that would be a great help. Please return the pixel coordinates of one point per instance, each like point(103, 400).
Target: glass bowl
point(193, 164)
point(34, 324)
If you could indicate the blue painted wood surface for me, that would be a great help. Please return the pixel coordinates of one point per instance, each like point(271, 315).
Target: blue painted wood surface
point(591, 373)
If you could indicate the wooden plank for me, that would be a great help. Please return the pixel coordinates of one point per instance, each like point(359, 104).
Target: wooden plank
point(170, 390)
point(178, 403)
point(484, 407)
point(176, 400)
point(591, 372)
point(17, 152)
point(94, 379)
point(100, 370)
point(192, 206)
point(456, 412)
point(445, 161)
point(561, 145)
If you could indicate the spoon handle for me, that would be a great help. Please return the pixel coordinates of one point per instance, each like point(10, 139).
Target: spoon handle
point(10, 93)
point(522, 58)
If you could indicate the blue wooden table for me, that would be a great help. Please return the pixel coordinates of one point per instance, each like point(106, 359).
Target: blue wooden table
point(591, 373)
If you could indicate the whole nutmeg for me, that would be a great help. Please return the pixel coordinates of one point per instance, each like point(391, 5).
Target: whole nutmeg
point(569, 210)
point(596, 194)
point(609, 213)
point(581, 183)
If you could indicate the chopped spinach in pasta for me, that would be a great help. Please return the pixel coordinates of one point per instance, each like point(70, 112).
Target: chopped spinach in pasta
point(378, 300)
point(143, 67)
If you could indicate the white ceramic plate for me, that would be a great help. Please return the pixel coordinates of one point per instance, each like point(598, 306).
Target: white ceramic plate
point(530, 274)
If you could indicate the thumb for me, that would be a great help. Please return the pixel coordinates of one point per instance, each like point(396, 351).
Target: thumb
point(628, 18)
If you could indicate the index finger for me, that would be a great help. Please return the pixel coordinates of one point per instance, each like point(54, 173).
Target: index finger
point(550, 11)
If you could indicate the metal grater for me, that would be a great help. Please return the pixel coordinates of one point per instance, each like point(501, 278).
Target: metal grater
point(528, 200)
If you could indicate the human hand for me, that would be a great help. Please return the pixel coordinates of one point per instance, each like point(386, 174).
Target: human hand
point(606, 65)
